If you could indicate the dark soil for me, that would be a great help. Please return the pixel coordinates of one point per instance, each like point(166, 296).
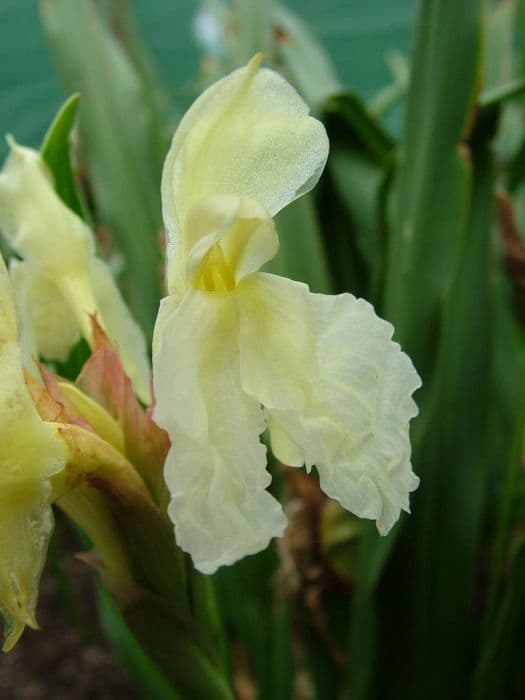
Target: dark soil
point(69, 658)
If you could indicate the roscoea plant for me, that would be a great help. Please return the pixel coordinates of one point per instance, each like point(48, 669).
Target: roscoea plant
point(236, 351)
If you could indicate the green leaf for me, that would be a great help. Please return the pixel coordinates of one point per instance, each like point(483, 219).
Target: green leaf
point(257, 623)
point(505, 613)
point(369, 135)
point(374, 552)
point(283, 663)
point(55, 152)
point(148, 680)
point(176, 651)
point(389, 96)
point(452, 456)
point(502, 93)
point(301, 255)
point(498, 61)
point(351, 205)
point(432, 189)
point(416, 627)
point(504, 603)
point(504, 75)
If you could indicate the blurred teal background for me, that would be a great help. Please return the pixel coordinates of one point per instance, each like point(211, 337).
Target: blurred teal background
point(358, 35)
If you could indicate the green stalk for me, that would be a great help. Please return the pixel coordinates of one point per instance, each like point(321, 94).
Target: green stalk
point(86, 507)
point(143, 568)
point(176, 651)
point(511, 480)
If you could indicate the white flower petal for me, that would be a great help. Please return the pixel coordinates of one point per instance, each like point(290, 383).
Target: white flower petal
point(215, 469)
point(30, 447)
point(49, 327)
point(35, 221)
point(68, 284)
point(31, 453)
point(337, 391)
point(250, 135)
point(26, 524)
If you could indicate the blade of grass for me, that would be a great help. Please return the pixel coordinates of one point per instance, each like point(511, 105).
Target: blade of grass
point(301, 255)
point(431, 194)
point(429, 214)
point(55, 152)
point(351, 204)
point(433, 622)
point(148, 680)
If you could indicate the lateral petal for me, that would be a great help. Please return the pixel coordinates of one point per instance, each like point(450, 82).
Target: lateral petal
point(122, 329)
point(337, 391)
point(249, 134)
point(215, 469)
point(49, 327)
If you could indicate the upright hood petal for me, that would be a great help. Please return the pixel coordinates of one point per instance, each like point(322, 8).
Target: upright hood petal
point(249, 135)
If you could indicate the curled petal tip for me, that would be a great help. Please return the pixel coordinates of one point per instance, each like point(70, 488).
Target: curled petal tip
point(256, 62)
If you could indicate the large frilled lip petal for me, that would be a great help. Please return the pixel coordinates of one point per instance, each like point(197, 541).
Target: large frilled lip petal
point(216, 468)
point(251, 135)
point(337, 391)
point(62, 283)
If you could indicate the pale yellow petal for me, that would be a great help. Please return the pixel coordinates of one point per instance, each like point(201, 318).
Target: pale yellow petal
point(49, 328)
point(59, 248)
point(31, 452)
point(250, 135)
point(102, 422)
point(216, 467)
point(35, 221)
point(336, 388)
point(122, 329)
point(26, 524)
point(47, 234)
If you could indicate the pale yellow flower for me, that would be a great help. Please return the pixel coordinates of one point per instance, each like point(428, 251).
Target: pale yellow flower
point(237, 350)
point(31, 453)
point(61, 283)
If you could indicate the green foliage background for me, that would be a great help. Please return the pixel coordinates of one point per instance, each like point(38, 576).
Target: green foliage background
point(356, 34)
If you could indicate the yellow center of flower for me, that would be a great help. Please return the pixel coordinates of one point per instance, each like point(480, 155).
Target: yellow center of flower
point(215, 275)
